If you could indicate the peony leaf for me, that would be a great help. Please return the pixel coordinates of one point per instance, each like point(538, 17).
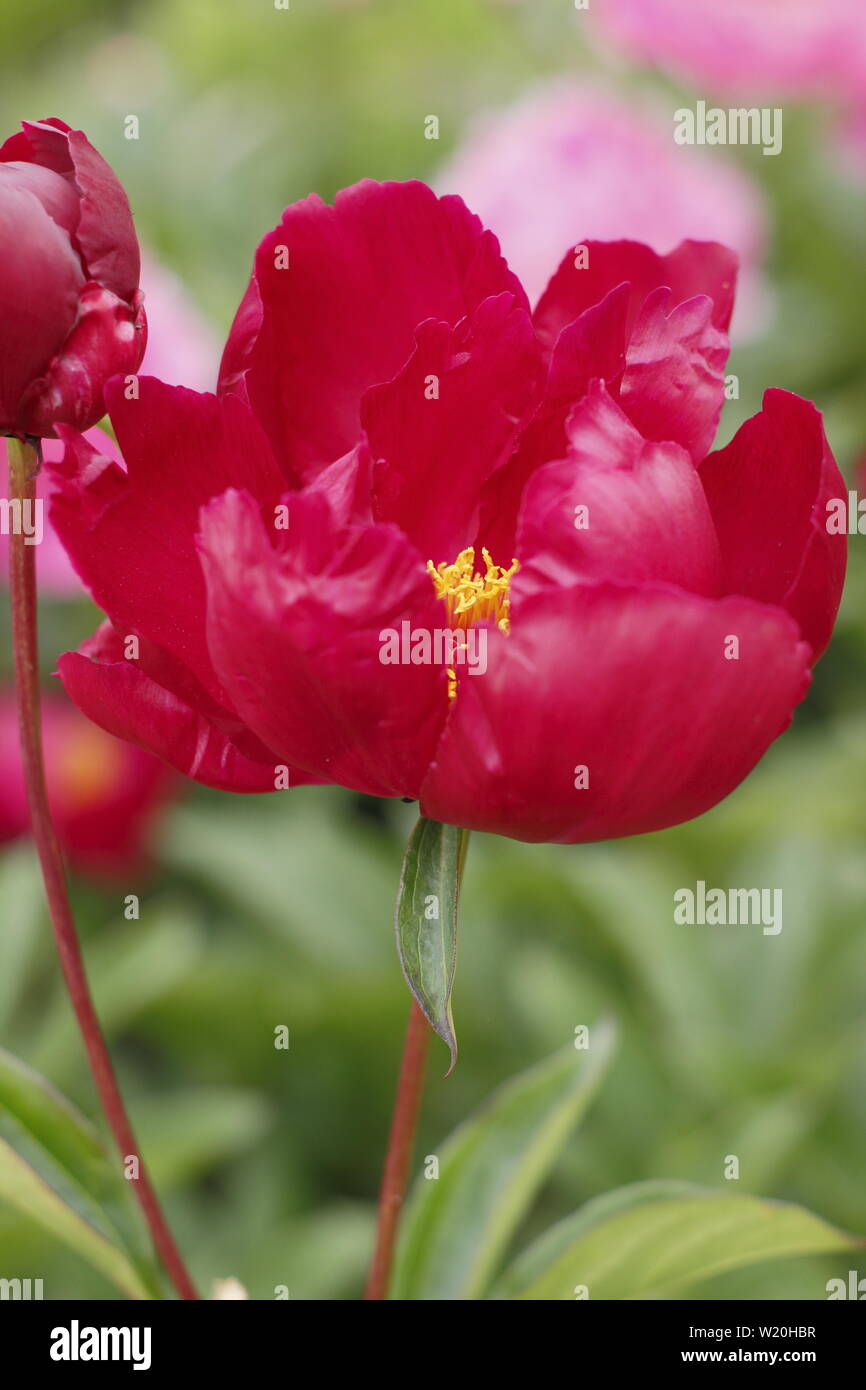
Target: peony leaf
point(457, 1227)
point(55, 1156)
point(24, 1188)
point(426, 920)
point(644, 1242)
point(23, 899)
point(55, 1124)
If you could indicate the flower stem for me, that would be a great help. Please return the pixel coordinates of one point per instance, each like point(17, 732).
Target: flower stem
point(23, 467)
point(403, 1124)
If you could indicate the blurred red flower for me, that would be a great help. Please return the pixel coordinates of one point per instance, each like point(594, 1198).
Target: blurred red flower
point(69, 268)
point(103, 793)
point(650, 613)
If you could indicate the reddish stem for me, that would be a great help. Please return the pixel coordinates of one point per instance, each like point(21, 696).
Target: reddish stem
point(23, 466)
point(404, 1121)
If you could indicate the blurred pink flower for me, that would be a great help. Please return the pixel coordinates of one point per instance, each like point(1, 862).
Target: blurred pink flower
point(104, 794)
point(575, 161)
point(181, 348)
point(796, 48)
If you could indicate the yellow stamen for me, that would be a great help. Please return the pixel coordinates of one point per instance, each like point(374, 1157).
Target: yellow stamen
point(471, 597)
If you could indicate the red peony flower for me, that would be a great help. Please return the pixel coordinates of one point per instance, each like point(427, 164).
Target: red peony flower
point(104, 794)
point(69, 264)
point(427, 543)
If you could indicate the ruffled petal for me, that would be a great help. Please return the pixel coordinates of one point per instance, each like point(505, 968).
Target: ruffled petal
point(448, 420)
point(695, 267)
point(616, 508)
point(673, 386)
point(768, 492)
point(131, 535)
point(343, 289)
point(296, 634)
point(665, 367)
point(593, 346)
point(156, 705)
point(634, 686)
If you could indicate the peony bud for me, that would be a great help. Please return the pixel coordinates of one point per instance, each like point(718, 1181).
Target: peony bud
point(72, 311)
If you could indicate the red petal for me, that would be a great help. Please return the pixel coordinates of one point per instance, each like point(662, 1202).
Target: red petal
point(673, 386)
point(296, 636)
point(695, 267)
point(768, 492)
point(131, 536)
point(55, 193)
point(40, 281)
point(105, 233)
point(632, 684)
point(166, 717)
point(432, 455)
point(45, 142)
point(108, 339)
point(666, 371)
point(238, 350)
point(592, 346)
point(348, 485)
point(647, 516)
point(342, 317)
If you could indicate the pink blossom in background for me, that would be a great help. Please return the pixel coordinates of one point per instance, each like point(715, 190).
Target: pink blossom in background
point(762, 50)
point(181, 348)
point(573, 161)
point(796, 48)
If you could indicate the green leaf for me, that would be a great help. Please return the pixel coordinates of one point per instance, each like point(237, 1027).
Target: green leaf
point(55, 1123)
point(426, 920)
point(457, 1226)
point(66, 1154)
point(23, 899)
point(534, 1261)
point(194, 1130)
point(23, 1188)
point(330, 918)
point(130, 969)
point(642, 1243)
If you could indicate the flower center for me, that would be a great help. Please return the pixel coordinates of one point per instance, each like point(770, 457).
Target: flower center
point(471, 596)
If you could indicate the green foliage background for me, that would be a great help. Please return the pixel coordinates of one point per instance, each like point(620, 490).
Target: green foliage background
point(278, 910)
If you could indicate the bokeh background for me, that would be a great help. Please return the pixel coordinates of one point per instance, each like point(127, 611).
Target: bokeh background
point(262, 911)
